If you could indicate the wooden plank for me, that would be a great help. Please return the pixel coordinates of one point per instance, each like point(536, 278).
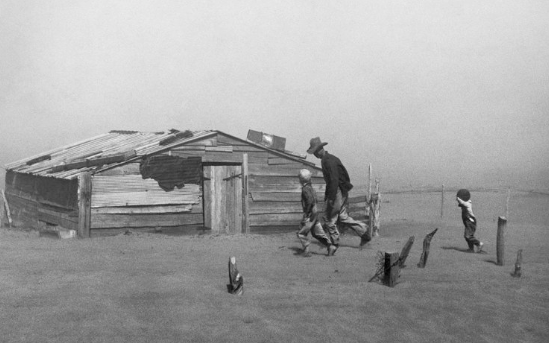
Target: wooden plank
point(208, 195)
point(275, 219)
point(185, 148)
point(283, 170)
point(245, 195)
point(281, 160)
point(204, 142)
point(148, 209)
point(246, 148)
point(276, 207)
point(84, 204)
point(144, 220)
point(227, 148)
point(275, 196)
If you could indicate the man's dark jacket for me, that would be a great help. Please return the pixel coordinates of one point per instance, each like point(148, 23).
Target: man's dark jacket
point(335, 175)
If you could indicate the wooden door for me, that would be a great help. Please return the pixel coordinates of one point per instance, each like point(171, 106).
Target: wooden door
point(223, 198)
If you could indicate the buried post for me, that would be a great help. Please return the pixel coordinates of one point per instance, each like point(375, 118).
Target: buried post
point(236, 285)
point(518, 265)
point(500, 241)
point(392, 269)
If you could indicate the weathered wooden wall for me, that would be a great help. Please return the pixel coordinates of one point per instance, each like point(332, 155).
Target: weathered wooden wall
point(36, 201)
point(123, 200)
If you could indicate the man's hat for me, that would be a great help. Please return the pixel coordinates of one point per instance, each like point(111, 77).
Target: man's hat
point(316, 144)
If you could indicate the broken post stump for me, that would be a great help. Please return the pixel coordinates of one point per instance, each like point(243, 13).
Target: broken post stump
point(405, 251)
point(426, 246)
point(500, 241)
point(518, 265)
point(236, 281)
point(391, 268)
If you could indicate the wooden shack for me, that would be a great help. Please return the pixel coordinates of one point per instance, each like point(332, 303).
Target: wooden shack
point(178, 180)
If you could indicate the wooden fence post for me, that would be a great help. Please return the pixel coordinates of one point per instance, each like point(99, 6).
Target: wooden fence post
point(245, 196)
point(84, 204)
point(507, 203)
point(426, 247)
point(405, 251)
point(392, 268)
point(375, 205)
point(442, 203)
point(500, 241)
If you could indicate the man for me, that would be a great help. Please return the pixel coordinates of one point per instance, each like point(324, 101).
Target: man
point(338, 185)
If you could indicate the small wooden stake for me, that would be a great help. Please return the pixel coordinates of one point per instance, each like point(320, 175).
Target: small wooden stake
point(236, 281)
point(426, 247)
point(392, 268)
point(500, 241)
point(518, 265)
point(405, 251)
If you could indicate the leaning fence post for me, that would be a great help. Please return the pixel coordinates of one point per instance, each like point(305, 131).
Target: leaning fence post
point(500, 241)
point(426, 247)
point(405, 251)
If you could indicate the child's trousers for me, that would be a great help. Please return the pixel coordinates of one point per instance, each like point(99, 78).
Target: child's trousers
point(470, 228)
point(316, 231)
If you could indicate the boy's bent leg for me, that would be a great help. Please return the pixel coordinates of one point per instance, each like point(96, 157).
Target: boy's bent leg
point(318, 232)
point(303, 233)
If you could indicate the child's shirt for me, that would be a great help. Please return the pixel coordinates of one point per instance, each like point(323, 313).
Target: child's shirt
point(466, 210)
point(308, 201)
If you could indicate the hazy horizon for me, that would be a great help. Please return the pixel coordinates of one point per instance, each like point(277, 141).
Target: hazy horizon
point(453, 92)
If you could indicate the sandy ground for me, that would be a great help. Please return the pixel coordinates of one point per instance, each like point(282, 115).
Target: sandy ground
point(160, 288)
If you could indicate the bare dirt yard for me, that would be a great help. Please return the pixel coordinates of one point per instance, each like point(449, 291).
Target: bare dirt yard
point(162, 288)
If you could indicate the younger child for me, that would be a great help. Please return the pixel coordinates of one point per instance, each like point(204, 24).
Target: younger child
point(469, 220)
point(310, 221)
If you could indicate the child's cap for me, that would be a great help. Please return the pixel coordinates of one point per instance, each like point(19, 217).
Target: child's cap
point(464, 194)
point(304, 175)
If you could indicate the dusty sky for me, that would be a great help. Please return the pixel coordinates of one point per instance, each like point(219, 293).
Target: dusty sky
point(428, 92)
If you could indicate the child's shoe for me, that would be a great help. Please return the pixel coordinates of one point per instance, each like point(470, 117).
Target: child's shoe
point(480, 247)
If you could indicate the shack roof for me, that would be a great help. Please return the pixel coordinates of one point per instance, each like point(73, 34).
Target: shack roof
point(115, 148)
